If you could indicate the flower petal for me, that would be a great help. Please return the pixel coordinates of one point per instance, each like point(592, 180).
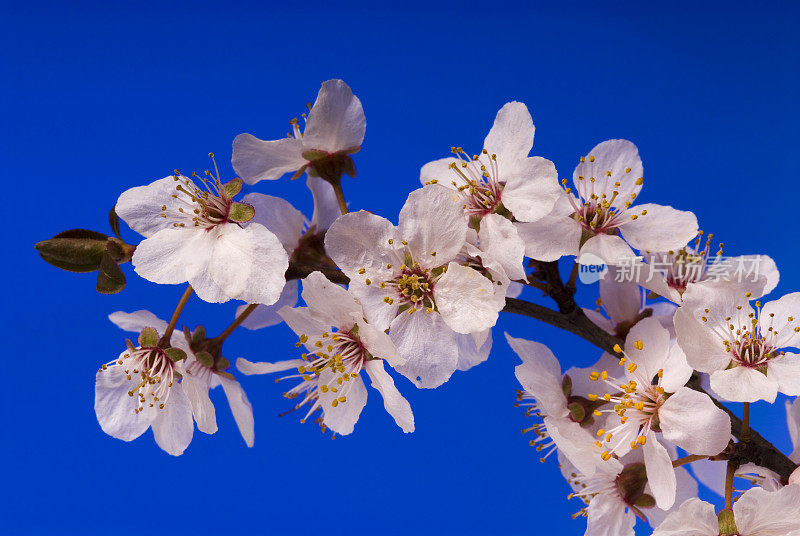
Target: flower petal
point(692, 421)
point(500, 240)
point(363, 240)
point(763, 513)
point(336, 122)
point(550, 238)
point(793, 423)
point(379, 344)
point(661, 228)
point(783, 309)
point(432, 222)
point(610, 248)
point(378, 312)
point(279, 217)
point(704, 351)
point(439, 172)
point(467, 300)
point(326, 206)
point(141, 207)
point(742, 384)
point(532, 189)
point(540, 375)
point(267, 315)
point(429, 346)
point(329, 303)
point(511, 135)
point(255, 160)
point(607, 516)
point(660, 473)
point(249, 367)
point(397, 406)
point(654, 341)
point(693, 518)
point(610, 162)
point(173, 426)
point(473, 349)
point(196, 391)
point(241, 408)
point(115, 408)
point(342, 417)
point(137, 321)
point(165, 256)
point(785, 371)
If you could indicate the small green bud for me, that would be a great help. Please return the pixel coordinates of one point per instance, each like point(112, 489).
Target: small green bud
point(175, 354)
point(241, 212)
point(232, 187)
point(148, 338)
point(76, 250)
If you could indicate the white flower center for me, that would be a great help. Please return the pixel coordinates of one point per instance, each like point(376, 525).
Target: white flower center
point(686, 265)
point(204, 207)
point(154, 371)
point(478, 181)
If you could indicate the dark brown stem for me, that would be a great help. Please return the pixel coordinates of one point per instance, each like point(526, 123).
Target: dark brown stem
point(688, 459)
point(729, 474)
point(175, 315)
point(337, 189)
point(746, 421)
point(236, 323)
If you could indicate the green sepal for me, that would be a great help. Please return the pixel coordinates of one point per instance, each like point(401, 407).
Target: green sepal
point(566, 385)
point(113, 220)
point(577, 412)
point(222, 364)
point(199, 335)
point(226, 374)
point(129, 345)
point(110, 278)
point(727, 524)
point(241, 212)
point(175, 354)
point(148, 338)
point(645, 501)
point(232, 187)
point(349, 166)
point(76, 250)
point(205, 358)
point(314, 154)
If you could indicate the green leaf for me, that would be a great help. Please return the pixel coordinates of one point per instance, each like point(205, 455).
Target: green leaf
point(148, 338)
point(232, 187)
point(205, 358)
point(110, 278)
point(241, 212)
point(175, 354)
point(113, 220)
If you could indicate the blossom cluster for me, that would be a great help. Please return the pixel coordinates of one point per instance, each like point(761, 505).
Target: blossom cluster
point(420, 299)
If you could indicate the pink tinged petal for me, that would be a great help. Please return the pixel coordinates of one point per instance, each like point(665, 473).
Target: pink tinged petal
point(540, 375)
point(440, 171)
point(342, 417)
point(173, 426)
point(693, 518)
point(379, 344)
point(665, 312)
point(255, 160)
point(397, 406)
point(692, 421)
point(742, 384)
point(687, 489)
point(611, 248)
point(473, 349)
point(676, 370)
point(785, 371)
point(336, 122)
point(467, 300)
point(532, 189)
point(500, 240)
point(662, 228)
point(550, 238)
point(361, 240)
point(241, 409)
point(511, 135)
point(704, 350)
point(763, 513)
point(432, 222)
point(582, 385)
point(654, 341)
point(793, 423)
point(249, 367)
point(784, 308)
point(377, 311)
point(196, 391)
point(575, 443)
point(750, 268)
point(140, 207)
point(329, 303)
point(514, 289)
point(607, 516)
point(303, 323)
point(279, 217)
point(616, 157)
point(267, 315)
point(326, 207)
point(137, 321)
point(599, 320)
point(429, 346)
point(247, 264)
point(115, 408)
point(794, 478)
point(660, 473)
point(165, 257)
point(621, 300)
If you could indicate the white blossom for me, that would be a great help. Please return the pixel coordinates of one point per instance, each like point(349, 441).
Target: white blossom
point(334, 129)
point(199, 235)
point(340, 343)
point(625, 304)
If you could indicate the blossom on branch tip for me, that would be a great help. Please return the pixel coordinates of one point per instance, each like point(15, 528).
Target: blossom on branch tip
point(334, 129)
point(201, 236)
point(339, 344)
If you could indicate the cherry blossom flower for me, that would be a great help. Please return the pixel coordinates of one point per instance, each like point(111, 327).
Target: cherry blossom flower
point(651, 398)
point(757, 513)
point(334, 130)
point(502, 177)
point(198, 235)
point(793, 422)
point(741, 347)
point(141, 388)
point(625, 304)
point(340, 343)
point(670, 273)
point(598, 211)
point(302, 239)
point(408, 280)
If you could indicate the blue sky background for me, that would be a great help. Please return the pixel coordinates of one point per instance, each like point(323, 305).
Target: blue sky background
point(97, 98)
